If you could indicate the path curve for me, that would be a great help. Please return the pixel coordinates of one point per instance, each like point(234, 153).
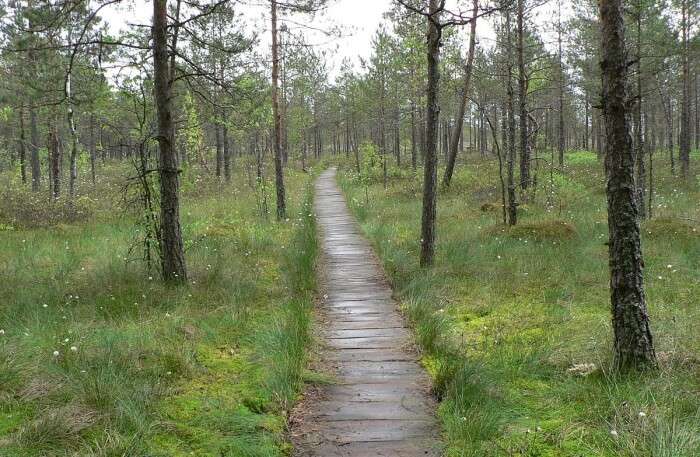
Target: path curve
point(380, 403)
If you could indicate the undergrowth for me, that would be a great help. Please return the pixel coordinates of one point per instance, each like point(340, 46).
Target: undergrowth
point(514, 323)
point(97, 358)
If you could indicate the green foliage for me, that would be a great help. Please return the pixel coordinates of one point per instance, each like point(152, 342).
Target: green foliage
point(371, 165)
point(210, 368)
point(514, 322)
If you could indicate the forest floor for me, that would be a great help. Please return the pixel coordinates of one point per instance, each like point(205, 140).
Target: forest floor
point(99, 358)
point(514, 323)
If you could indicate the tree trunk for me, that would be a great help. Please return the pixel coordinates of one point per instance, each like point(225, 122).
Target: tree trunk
point(697, 111)
point(684, 141)
point(509, 127)
point(633, 347)
point(429, 212)
point(34, 149)
point(227, 154)
point(93, 152)
point(277, 131)
point(462, 105)
point(561, 143)
point(413, 136)
point(74, 140)
point(522, 99)
point(639, 133)
point(586, 121)
point(668, 117)
point(22, 148)
point(219, 151)
point(55, 161)
point(171, 245)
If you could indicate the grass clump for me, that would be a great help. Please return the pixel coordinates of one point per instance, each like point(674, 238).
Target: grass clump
point(514, 323)
point(548, 230)
point(99, 358)
point(670, 228)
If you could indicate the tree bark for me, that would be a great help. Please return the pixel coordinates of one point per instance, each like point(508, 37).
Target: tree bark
point(73, 166)
point(22, 148)
point(522, 100)
point(684, 141)
point(509, 126)
point(277, 131)
point(55, 161)
point(462, 105)
point(93, 152)
point(413, 136)
point(633, 347)
point(639, 133)
point(34, 149)
point(561, 144)
point(429, 212)
point(219, 151)
point(171, 244)
point(227, 154)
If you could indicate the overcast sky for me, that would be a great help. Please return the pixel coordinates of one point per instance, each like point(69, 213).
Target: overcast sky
point(357, 19)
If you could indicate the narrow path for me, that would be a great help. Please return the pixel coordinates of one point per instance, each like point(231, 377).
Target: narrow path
point(380, 405)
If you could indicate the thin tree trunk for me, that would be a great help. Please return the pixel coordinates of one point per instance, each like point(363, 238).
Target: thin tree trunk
point(227, 153)
point(34, 149)
point(633, 347)
point(510, 117)
point(429, 211)
point(93, 152)
point(561, 143)
point(277, 133)
point(639, 133)
point(684, 141)
point(219, 151)
point(74, 140)
point(22, 148)
point(55, 161)
point(413, 136)
point(171, 244)
point(522, 99)
point(668, 117)
point(462, 105)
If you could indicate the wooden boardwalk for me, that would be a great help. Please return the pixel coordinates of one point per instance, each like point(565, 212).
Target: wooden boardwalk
point(379, 404)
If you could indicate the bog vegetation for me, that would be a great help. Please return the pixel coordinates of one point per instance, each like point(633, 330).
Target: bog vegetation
point(527, 172)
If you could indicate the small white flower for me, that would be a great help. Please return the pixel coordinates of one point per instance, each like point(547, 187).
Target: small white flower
point(2, 331)
point(45, 305)
point(56, 353)
point(669, 266)
point(614, 433)
point(74, 349)
point(661, 277)
point(642, 414)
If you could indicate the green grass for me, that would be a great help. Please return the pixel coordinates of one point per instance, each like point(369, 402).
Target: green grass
point(515, 325)
point(208, 369)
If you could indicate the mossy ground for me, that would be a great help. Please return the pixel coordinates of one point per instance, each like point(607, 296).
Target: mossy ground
point(209, 368)
point(515, 323)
